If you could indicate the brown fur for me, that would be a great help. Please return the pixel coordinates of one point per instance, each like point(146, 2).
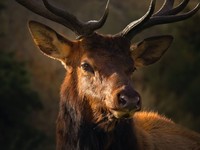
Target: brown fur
point(163, 134)
point(92, 115)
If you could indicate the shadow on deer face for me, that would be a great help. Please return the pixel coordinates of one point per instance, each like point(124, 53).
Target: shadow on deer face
point(103, 66)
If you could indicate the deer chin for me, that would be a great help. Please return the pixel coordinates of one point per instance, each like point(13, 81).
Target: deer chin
point(120, 114)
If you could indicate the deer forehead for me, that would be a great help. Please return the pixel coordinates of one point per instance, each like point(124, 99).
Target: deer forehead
point(105, 51)
point(105, 42)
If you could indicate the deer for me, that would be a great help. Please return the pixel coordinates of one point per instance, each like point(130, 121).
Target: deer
point(99, 108)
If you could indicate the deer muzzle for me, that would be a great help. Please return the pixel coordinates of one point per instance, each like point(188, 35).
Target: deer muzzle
point(126, 102)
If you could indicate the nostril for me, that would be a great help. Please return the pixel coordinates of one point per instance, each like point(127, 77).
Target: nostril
point(122, 99)
point(128, 101)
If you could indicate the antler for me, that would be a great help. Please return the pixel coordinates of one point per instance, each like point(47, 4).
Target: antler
point(166, 14)
point(55, 14)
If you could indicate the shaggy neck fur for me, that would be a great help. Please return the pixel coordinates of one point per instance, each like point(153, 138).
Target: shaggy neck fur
point(76, 132)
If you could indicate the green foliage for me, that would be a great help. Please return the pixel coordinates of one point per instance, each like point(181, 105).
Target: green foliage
point(18, 101)
point(175, 80)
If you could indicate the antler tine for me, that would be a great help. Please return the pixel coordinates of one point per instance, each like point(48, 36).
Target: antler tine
point(81, 28)
point(168, 4)
point(165, 15)
point(65, 18)
point(70, 20)
point(176, 10)
point(39, 9)
point(93, 25)
point(128, 30)
point(98, 24)
point(156, 20)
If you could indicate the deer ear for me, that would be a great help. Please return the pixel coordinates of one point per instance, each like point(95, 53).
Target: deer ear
point(49, 41)
point(150, 50)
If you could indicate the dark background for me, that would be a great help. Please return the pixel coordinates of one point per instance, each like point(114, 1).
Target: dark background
point(30, 82)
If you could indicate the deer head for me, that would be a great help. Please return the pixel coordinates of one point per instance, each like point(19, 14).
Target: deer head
point(100, 66)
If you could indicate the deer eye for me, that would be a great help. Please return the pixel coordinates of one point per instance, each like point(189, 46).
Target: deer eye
point(87, 67)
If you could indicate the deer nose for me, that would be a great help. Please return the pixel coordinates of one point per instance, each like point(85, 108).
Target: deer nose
point(129, 101)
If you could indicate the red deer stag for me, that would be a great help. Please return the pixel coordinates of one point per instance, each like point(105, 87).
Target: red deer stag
point(98, 99)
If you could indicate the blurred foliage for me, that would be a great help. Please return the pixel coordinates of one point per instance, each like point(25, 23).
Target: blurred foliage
point(175, 80)
point(18, 101)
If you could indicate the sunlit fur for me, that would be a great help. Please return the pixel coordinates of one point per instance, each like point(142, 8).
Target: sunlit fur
point(155, 132)
point(90, 116)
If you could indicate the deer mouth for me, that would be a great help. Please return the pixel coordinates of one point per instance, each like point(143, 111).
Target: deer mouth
point(122, 114)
